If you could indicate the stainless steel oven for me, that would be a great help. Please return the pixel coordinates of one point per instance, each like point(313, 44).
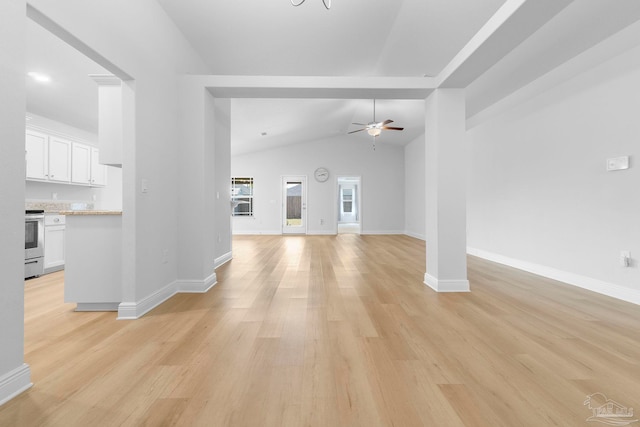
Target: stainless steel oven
point(33, 243)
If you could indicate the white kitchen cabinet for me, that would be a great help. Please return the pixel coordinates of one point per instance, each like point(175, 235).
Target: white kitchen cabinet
point(98, 170)
point(80, 164)
point(54, 242)
point(59, 159)
point(37, 155)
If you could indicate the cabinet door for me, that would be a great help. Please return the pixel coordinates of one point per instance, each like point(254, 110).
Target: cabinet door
point(98, 171)
point(80, 164)
point(37, 155)
point(54, 246)
point(59, 159)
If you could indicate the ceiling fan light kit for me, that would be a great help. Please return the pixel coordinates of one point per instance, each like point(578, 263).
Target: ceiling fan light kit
point(327, 3)
point(375, 128)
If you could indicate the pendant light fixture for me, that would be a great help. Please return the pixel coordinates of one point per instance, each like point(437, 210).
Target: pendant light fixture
point(327, 3)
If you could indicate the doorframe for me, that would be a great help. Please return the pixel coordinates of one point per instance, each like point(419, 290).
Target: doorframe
point(336, 198)
point(283, 209)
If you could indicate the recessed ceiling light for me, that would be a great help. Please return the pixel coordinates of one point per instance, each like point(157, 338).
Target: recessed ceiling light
point(39, 77)
point(263, 134)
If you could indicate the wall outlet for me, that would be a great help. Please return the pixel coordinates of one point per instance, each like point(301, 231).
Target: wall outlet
point(625, 259)
point(54, 196)
point(165, 256)
point(219, 238)
point(322, 222)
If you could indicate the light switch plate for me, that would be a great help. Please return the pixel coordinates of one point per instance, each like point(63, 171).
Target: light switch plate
point(618, 163)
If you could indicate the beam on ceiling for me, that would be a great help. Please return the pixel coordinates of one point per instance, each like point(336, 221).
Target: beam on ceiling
point(513, 23)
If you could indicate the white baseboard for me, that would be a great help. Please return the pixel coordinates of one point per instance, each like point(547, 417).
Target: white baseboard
point(446, 285)
point(609, 289)
point(15, 382)
point(223, 259)
point(257, 232)
point(97, 306)
point(197, 286)
point(415, 235)
point(381, 232)
point(135, 310)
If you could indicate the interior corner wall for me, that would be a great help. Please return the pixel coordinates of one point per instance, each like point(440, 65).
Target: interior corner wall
point(14, 375)
point(147, 45)
point(194, 251)
point(222, 123)
point(539, 193)
point(414, 188)
point(382, 179)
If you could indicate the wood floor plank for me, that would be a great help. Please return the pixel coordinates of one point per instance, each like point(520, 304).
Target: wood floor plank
point(332, 331)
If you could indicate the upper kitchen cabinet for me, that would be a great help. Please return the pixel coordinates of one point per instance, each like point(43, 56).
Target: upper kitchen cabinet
point(50, 158)
point(110, 135)
point(81, 164)
point(59, 159)
point(98, 170)
point(37, 155)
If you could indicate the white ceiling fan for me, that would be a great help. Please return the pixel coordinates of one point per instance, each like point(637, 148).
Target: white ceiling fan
point(375, 128)
point(327, 3)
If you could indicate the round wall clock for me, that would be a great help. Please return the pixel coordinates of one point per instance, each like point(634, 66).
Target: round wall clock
point(321, 174)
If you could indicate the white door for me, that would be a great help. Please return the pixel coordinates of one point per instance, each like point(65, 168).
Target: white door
point(294, 205)
point(348, 203)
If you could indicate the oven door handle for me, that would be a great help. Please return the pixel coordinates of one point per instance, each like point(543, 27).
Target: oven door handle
point(35, 261)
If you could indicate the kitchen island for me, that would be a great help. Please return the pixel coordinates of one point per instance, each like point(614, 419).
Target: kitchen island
point(93, 253)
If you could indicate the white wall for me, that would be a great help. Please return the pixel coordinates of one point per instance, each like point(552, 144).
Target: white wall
point(139, 38)
point(414, 178)
point(14, 375)
point(382, 173)
point(539, 195)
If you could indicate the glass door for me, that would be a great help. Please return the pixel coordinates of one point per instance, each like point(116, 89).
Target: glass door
point(294, 205)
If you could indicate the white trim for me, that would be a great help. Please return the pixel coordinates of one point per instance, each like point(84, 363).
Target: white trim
point(221, 260)
point(415, 235)
point(15, 382)
point(257, 232)
point(446, 285)
point(322, 233)
point(595, 285)
point(197, 286)
point(382, 232)
point(135, 310)
point(97, 306)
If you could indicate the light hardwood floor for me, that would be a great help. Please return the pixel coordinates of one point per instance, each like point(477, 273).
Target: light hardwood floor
point(332, 331)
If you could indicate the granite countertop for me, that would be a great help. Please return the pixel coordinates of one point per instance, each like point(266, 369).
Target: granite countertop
point(90, 212)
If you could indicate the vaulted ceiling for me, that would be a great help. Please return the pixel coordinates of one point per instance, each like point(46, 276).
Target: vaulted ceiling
point(386, 38)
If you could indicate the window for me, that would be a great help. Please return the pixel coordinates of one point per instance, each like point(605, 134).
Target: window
point(347, 200)
point(242, 196)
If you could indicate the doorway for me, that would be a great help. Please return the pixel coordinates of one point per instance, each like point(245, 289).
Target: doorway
point(294, 205)
point(349, 206)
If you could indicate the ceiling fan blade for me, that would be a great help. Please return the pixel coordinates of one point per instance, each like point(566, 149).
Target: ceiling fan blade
point(360, 124)
point(386, 122)
point(391, 128)
point(354, 131)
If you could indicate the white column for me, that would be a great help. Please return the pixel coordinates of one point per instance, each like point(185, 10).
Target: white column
point(15, 375)
point(446, 178)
